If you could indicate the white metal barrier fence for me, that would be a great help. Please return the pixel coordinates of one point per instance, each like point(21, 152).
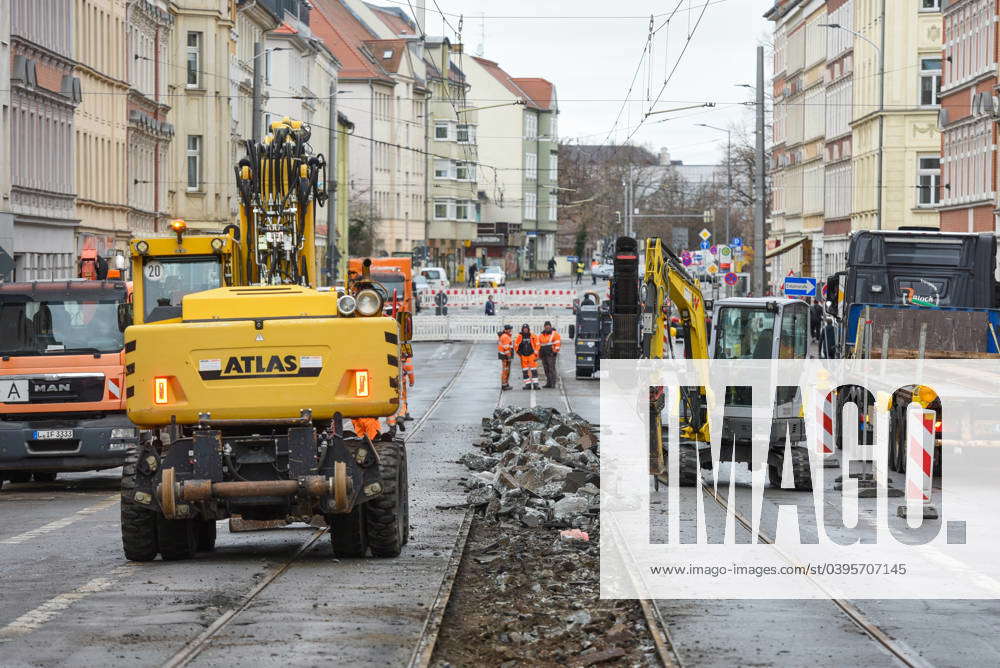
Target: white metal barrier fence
point(475, 298)
point(481, 327)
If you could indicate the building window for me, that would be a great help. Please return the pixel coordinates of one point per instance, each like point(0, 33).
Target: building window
point(194, 60)
point(442, 169)
point(441, 131)
point(553, 168)
point(461, 210)
point(466, 134)
point(930, 81)
point(530, 125)
point(530, 206)
point(530, 166)
point(553, 209)
point(928, 180)
point(930, 5)
point(440, 209)
point(465, 171)
point(194, 162)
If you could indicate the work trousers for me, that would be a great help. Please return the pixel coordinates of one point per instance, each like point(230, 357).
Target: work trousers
point(505, 371)
point(549, 364)
point(529, 369)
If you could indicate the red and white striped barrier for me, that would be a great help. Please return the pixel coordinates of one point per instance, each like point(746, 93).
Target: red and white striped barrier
point(826, 441)
point(475, 298)
point(920, 434)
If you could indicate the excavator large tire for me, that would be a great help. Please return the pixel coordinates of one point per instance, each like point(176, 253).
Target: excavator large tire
point(388, 515)
point(139, 538)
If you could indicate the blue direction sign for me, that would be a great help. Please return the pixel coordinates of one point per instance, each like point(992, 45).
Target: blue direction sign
point(705, 245)
point(572, 258)
point(737, 242)
point(800, 286)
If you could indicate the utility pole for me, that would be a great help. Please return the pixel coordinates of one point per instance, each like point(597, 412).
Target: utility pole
point(729, 189)
point(760, 255)
point(258, 76)
point(331, 189)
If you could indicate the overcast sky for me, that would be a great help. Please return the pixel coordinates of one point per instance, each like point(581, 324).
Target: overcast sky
point(592, 60)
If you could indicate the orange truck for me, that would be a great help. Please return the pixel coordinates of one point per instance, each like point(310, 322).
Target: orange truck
point(395, 273)
point(62, 378)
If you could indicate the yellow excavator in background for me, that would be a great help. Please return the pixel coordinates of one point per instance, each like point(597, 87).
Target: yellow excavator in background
point(242, 374)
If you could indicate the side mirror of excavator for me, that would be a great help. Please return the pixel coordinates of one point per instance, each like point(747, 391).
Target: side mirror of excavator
point(405, 320)
point(124, 316)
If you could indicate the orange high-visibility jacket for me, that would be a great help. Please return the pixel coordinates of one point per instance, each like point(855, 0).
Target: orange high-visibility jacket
point(551, 340)
point(408, 369)
point(366, 426)
point(534, 344)
point(505, 346)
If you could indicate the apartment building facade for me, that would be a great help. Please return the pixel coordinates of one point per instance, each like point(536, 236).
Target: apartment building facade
point(44, 93)
point(520, 157)
point(968, 117)
point(149, 30)
point(101, 125)
point(6, 217)
point(829, 116)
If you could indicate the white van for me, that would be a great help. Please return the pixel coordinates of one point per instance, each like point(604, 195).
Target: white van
point(436, 277)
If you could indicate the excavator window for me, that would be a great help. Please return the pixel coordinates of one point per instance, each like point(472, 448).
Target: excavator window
point(794, 341)
point(165, 282)
point(744, 333)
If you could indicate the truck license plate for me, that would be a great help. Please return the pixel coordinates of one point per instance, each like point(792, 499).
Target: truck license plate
point(14, 391)
point(52, 434)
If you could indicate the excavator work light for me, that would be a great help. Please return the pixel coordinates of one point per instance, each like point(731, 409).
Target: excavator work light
point(160, 391)
point(369, 303)
point(141, 247)
point(217, 244)
point(346, 305)
point(361, 383)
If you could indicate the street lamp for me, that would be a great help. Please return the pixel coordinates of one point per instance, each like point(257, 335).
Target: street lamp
point(729, 174)
point(881, 109)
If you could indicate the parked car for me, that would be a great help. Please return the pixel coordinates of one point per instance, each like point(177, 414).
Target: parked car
point(491, 277)
point(436, 277)
point(604, 270)
point(419, 283)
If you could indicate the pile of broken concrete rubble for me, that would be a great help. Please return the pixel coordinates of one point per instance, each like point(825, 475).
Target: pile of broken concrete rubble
point(537, 466)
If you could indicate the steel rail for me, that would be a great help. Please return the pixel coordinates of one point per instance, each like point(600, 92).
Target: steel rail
point(666, 650)
point(199, 643)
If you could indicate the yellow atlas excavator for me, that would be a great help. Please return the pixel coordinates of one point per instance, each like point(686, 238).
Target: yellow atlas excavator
point(243, 375)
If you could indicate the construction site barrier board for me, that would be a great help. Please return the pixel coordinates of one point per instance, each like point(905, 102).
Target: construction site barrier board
point(475, 298)
point(481, 327)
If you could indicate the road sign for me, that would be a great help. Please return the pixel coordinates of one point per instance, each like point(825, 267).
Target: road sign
point(738, 242)
point(686, 259)
point(731, 278)
point(725, 251)
point(705, 234)
point(572, 258)
point(705, 245)
point(713, 269)
point(714, 250)
point(800, 286)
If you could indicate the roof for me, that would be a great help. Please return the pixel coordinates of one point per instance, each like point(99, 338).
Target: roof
point(395, 19)
point(508, 81)
point(540, 91)
point(345, 35)
point(394, 47)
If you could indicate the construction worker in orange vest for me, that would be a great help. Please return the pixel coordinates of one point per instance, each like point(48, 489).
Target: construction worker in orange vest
point(550, 342)
point(398, 418)
point(527, 347)
point(367, 426)
point(505, 351)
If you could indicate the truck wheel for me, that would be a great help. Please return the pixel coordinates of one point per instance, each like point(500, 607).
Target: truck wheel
point(178, 538)
point(349, 533)
point(388, 514)
point(206, 530)
point(138, 522)
point(44, 476)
